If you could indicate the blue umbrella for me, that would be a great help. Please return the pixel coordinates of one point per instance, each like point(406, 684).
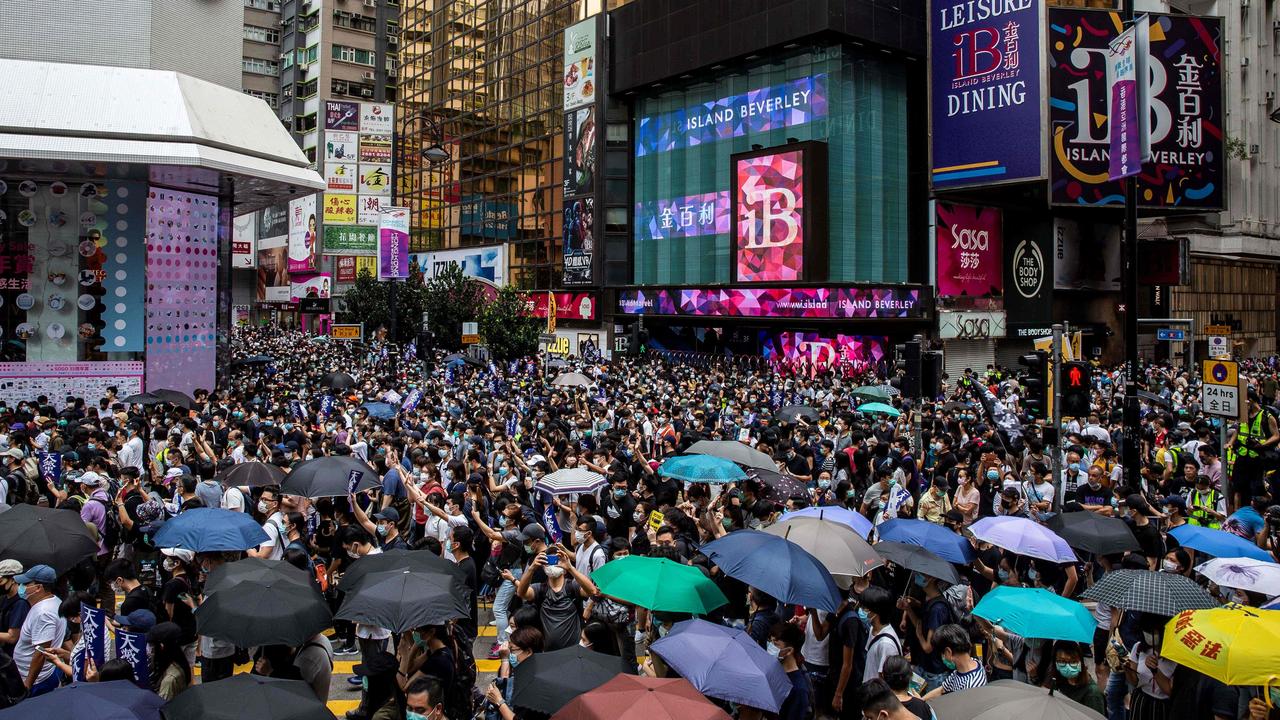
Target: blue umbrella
point(1037, 613)
point(834, 513)
point(210, 530)
point(724, 663)
point(937, 538)
point(379, 410)
point(1218, 543)
point(702, 468)
point(114, 700)
point(772, 564)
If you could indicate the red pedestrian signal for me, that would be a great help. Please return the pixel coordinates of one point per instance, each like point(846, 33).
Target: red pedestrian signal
point(1074, 377)
point(1076, 396)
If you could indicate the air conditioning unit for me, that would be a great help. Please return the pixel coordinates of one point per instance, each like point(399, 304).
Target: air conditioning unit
point(284, 55)
point(392, 73)
point(370, 3)
point(1244, 4)
point(1270, 95)
point(1254, 150)
point(1275, 25)
point(1244, 61)
point(366, 92)
point(367, 75)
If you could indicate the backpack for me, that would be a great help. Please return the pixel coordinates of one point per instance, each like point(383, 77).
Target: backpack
point(461, 696)
point(112, 531)
point(12, 689)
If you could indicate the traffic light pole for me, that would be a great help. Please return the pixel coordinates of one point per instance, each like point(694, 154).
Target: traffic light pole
point(1055, 419)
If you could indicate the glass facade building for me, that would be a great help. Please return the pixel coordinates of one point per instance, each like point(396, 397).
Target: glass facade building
point(854, 102)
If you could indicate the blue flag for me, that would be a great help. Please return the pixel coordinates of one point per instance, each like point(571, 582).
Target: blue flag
point(295, 407)
point(775, 398)
point(353, 480)
point(132, 648)
point(513, 367)
point(493, 385)
point(513, 423)
point(448, 374)
point(93, 628)
point(326, 405)
point(51, 467)
point(411, 402)
point(553, 525)
point(383, 353)
point(411, 351)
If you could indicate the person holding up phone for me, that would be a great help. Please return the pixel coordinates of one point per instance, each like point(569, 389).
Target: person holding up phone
point(558, 599)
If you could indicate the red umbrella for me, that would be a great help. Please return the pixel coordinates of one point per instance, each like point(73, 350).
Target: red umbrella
point(631, 697)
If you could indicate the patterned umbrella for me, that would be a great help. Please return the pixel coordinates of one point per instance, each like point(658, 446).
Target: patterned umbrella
point(779, 486)
point(571, 481)
point(1243, 574)
point(1157, 593)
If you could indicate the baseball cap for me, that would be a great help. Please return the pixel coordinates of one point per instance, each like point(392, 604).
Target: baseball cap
point(172, 473)
point(92, 479)
point(42, 574)
point(533, 531)
point(9, 568)
point(1176, 500)
point(13, 453)
point(182, 554)
point(390, 514)
point(137, 621)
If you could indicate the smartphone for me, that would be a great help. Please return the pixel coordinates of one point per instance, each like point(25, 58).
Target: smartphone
point(553, 557)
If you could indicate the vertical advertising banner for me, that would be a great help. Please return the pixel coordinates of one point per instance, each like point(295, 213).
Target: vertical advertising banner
point(1184, 94)
point(1028, 270)
point(343, 116)
point(393, 244)
point(244, 233)
point(969, 251)
point(579, 151)
point(304, 240)
point(776, 223)
point(580, 64)
point(579, 241)
point(1125, 65)
point(986, 97)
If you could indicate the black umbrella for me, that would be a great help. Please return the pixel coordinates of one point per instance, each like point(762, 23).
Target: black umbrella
point(255, 360)
point(392, 560)
point(329, 477)
point(917, 559)
point(1094, 533)
point(338, 381)
point(547, 681)
point(1154, 399)
point(174, 397)
point(401, 600)
point(145, 398)
point(112, 700)
point(257, 570)
point(778, 486)
point(734, 451)
point(957, 407)
point(252, 474)
point(33, 535)
point(241, 697)
point(455, 357)
point(1010, 700)
point(264, 612)
point(1158, 593)
point(791, 412)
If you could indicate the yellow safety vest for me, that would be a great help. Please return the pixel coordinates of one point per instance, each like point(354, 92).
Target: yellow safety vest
point(1250, 430)
point(1200, 517)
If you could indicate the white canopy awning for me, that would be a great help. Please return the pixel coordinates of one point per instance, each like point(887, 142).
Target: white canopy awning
point(90, 113)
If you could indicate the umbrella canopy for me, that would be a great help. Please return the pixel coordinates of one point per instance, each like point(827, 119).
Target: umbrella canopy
point(255, 570)
point(1235, 645)
point(401, 600)
point(1158, 593)
point(1037, 613)
point(558, 363)
point(547, 681)
point(391, 560)
point(1024, 537)
point(872, 393)
point(734, 451)
point(778, 486)
point(329, 477)
point(1218, 543)
point(571, 481)
point(34, 535)
point(379, 410)
point(878, 407)
point(659, 584)
point(1009, 700)
point(251, 474)
point(144, 398)
point(463, 358)
point(338, 381)
point(701, 468)
point(572, 379)
point(209, 530)
point(835, 513)
point(255, 360)
point(781, 568)
point(1094, 533)
point(628, 697)
point(957, 407)
point(1243, 574)
point(725, 663)
point(115, 700)
point(1154, 399)
point(174, 397)
point(791, 413)
point(937, 538)
point(917, 559)
point(240, 697)
point(264, 612)
point(840, 550)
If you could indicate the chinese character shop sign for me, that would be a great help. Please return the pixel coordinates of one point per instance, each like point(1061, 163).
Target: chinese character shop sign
point(969, 251)
point(985, 81)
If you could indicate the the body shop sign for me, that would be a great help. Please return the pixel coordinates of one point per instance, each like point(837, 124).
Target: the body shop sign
point(969, 251)
point(985, 87)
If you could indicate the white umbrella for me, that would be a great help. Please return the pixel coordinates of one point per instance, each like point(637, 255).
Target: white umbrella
point(571, 481)
point(572, 378)
point(1243, 574)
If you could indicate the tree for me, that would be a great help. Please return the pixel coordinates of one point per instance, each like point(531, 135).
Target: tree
point(369, 301)
point(450, 299)
point(508, 327)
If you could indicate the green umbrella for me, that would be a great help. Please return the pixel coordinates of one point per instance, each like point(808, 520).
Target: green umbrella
point(871, 393)
point(659, 584)
point(877, 407)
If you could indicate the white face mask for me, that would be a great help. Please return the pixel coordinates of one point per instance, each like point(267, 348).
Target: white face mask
point(555, 572)
point(263, 507)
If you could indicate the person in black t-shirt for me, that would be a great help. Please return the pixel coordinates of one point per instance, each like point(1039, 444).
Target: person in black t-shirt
point(123, 577)
point(461, 539)
point(1139, 514)
point(13, 609)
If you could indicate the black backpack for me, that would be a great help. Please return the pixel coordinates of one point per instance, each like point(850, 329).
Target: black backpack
point(461, 696)
point(112, 530)
point(12, 689)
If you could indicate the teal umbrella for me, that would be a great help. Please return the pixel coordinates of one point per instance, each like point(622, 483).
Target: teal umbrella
point(702, 468)
point(1037, 613)
point(878, 407)
point(871, 393)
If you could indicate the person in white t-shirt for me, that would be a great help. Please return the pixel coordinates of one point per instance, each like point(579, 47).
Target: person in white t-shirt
point(269, 505)
point(42, 630)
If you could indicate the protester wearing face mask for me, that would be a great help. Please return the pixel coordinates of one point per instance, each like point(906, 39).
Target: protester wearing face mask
point(177, 597)
point(558, 598)
point(13, 607)
point(525, 641)
point(269, 508)
point(1151, 674)
point(1071, 680)
point(424, 700)
point(964, 672)
point(934, 504)
point(785, 640)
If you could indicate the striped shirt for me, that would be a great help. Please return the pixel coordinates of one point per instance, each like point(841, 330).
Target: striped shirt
point(957, 681)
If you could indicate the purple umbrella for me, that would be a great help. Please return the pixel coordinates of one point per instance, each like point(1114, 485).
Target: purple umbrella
point(725, 663)
point(1024, 537)
point(835, 513)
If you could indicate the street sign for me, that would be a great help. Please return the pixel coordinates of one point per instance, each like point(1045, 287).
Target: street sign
point(1171, 335)
point(1220, 372)
point(1217, 330)
point(547, 338)
point(1219, 346)
point(346, 332)
point(470, 339)
point(1221, 400)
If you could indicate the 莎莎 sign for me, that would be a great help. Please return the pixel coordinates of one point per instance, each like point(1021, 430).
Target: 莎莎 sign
point(969, 251)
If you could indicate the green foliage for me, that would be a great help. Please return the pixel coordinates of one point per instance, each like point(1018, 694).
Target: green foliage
point(369, 301)
point(508, 327)
point(450, 299)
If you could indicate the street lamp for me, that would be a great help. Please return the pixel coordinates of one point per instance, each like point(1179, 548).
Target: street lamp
point(434, 153)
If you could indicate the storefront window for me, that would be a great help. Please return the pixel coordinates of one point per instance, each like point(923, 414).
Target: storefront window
point(683, 142)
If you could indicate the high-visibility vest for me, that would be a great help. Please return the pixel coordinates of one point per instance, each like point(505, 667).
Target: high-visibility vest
point(1251, 430)
point(1201, 517)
